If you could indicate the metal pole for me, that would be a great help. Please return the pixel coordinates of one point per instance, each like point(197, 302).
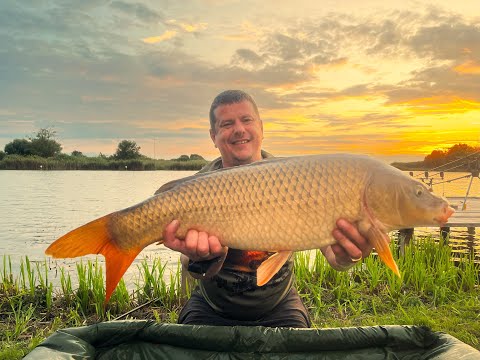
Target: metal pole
point(464, 207)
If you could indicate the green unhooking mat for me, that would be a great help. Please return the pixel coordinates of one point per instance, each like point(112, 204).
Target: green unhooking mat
point(150, 340)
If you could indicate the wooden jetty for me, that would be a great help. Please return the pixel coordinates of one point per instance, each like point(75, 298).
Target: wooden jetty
point(467, 215)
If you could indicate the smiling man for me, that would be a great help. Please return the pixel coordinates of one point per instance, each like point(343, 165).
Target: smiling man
point(227, 293)
point(236, 130)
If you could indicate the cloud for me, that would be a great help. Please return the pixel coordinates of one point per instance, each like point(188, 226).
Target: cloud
point(156, 39)
point(177, 28)
point(446, 41)
point(468, 67)
point(442, 85)
point(139, 10)
point(187, 27)
point(246, 56)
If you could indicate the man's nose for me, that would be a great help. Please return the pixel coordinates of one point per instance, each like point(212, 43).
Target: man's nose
point(238, 127)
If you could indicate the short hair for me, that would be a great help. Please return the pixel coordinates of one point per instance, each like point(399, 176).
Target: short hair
point(230, 97)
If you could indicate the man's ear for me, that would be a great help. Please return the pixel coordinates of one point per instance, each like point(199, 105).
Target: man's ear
point(212, 136)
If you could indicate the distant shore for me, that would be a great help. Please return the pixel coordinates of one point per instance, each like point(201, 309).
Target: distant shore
point(422, 166)
point(15, 162)
point(67, 162)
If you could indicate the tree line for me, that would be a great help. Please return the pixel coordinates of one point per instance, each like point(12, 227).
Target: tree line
point(43, 151)
point(459, 157)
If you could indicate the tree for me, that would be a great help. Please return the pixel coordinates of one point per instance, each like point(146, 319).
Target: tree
point(44, 143)
point(196, 157)
point(436, 158)
point(19, 147)
point(183, 158)
point(460, 150)
point(2, 155)
point(77, 153)
point(127, 150)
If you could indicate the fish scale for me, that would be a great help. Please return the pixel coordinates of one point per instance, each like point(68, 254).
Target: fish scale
point(286, 204)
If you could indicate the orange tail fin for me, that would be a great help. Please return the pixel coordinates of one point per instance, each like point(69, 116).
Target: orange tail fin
point(95, 238)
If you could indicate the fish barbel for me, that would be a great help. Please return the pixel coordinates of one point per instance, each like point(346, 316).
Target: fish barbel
point(279, 205)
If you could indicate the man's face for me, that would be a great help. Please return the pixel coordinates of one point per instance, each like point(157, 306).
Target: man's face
point(238, 133)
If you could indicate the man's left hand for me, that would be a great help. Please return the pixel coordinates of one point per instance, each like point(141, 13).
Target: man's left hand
point(350, 248)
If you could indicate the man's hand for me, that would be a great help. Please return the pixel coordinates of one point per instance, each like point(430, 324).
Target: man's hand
point(350, 248)
point(197, 246)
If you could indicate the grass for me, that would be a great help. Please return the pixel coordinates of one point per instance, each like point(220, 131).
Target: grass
point(434, 291)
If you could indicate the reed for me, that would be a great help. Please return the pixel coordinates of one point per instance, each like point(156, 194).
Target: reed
point(151, 285)
point(8, 284)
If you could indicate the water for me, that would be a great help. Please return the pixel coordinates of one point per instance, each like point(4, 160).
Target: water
point(36, 207)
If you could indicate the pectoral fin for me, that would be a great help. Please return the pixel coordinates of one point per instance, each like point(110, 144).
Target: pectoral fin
point(271, 266)
point(380, 241)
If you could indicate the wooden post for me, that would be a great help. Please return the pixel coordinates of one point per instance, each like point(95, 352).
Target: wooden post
point(404, 238)
point(445, 233)
point(471, 240)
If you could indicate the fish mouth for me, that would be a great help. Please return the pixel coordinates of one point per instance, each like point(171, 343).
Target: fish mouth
point(443, 218)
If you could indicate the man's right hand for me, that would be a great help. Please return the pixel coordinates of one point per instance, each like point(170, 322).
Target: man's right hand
point(197, 245)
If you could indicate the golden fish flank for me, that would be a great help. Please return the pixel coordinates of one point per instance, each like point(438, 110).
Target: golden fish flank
point(282, 204)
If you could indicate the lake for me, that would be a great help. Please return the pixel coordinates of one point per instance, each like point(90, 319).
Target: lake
point(36, 207)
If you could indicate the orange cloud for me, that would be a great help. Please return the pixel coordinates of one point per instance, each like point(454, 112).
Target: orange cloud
point(155, 39)
point(468, 67)
point(442, 104)
point(188, 27)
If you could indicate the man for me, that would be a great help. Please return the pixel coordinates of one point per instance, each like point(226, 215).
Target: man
point(227, 293)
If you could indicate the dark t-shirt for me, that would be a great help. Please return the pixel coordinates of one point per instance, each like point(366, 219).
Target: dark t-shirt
point(233, 291)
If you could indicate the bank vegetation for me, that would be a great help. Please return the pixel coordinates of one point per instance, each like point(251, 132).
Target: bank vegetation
point(434, 291)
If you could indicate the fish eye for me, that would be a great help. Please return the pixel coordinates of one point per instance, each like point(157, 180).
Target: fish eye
point(419, 191)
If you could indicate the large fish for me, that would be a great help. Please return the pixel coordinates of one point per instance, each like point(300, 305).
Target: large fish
point(280, 205)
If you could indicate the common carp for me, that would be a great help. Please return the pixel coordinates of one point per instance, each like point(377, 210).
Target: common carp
point(278, 205)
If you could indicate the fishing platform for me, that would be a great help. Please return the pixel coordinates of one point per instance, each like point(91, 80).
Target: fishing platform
point(467, 215)
point(467, 208)
point(467, 212)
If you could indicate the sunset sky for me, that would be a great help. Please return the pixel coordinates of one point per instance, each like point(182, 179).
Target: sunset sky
point(394, 79)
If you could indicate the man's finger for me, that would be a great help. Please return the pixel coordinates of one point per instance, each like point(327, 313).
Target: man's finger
point(351, 248)
point(339, 251)
point(351, 232)
point(169, 232)
point(191, 240)
point(203, 248)
point(215, 245)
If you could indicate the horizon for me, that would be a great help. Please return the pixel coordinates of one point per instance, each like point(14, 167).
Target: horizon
point(391, 80)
